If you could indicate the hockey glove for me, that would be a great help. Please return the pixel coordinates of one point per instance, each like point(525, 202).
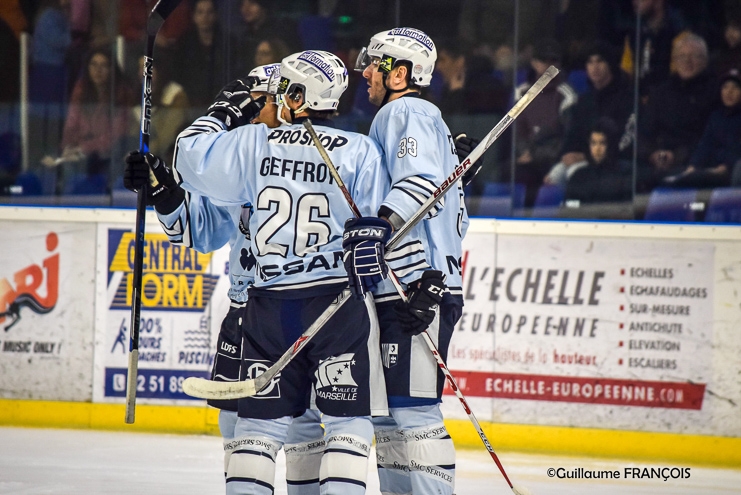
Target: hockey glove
point(464, 145)
point(423, 298)
point(234, 105)
point(163, 192)
point(364, 244)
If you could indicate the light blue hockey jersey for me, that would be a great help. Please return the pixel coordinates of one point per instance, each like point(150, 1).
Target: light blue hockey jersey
point(205, 227)
point(420, 155)
point(298, 212)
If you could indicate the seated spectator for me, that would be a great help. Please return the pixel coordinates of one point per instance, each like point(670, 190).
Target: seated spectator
point(610, 95)
point(207, 56)
point(466, 83)
point(676, 114)
point(605, 178)
point(720, 145)
point(97, 120)
point(451, 67)
point(542, 125)
point(170, 106)
point(660, 24)
point(257, 23)
point(729, 55)
point(271, 51)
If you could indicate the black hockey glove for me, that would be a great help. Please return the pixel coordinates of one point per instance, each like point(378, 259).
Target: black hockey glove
point(234, 105)
point(464, 145)
point(364, 244)
point(163, 192)
point(423, 298)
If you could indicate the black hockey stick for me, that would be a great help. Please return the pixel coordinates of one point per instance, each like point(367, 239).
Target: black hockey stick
point(160, 12)
point(425, 336)
point(208, 389)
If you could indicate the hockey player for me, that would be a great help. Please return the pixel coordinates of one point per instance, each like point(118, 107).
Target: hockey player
point(193, 220)
point(415, 453)
point(296, 225)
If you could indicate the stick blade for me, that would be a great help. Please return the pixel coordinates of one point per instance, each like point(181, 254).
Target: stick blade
point(209, 389)
point(160, 12)
point(521, 490)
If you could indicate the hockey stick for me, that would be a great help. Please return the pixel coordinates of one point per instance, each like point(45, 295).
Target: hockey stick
point(425, 336)
point(157, 17)
point(207, 389)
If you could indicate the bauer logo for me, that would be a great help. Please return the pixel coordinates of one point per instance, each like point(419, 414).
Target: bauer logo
point(334, 379)
point(389, 354)
point(415, 35)
point(36, 287)
point(174, 277)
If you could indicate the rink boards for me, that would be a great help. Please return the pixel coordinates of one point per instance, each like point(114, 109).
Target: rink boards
point(597, 338)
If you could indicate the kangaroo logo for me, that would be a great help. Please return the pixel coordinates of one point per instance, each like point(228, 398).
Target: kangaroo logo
point(28, 281)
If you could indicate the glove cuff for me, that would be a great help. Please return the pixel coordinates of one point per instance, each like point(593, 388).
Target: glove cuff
point(171, 200)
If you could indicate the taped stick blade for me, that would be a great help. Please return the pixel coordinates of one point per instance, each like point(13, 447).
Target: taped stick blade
point(209, 389)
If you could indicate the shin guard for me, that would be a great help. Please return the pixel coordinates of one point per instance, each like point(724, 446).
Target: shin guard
point(251, 468)
point(431, 459)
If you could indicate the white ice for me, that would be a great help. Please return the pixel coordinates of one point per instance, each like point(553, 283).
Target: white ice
point(51, 461)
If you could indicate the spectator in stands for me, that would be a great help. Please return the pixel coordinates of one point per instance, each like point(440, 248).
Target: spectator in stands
point(606, 178)
point(258, 24)
point(48, 92)
point(170, 107)
point(206, 56)
point(729, 55)
point(132, 26)
point(577, 30)
point(610, 95)
point(98, 111)
point(719, 148)
point(676, 113)
point(271, 51)
point(466, 83)
point(451, 67)
point(660, 24)
point(542, 125)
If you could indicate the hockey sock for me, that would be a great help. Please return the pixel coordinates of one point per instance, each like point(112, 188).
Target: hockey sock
point(392, 462)
point(344, 466)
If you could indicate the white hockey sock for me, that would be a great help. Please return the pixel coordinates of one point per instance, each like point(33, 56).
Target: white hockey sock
point(303, 461)
point(251, 468)
point(227, 421)
point(344, 465)
point(392, 462)
point(431, 459)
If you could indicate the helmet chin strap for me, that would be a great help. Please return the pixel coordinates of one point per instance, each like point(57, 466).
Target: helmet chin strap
point(281, 102)
point(389, 90)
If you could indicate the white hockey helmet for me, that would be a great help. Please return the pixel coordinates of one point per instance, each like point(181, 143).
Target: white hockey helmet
point(321, 77)
point(400, 44)
point(263, 73)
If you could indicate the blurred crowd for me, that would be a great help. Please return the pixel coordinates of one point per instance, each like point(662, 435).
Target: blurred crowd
point(649, 93)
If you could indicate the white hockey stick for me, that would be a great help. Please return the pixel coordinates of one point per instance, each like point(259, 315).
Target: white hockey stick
point(425, 336)
point(207, 389)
